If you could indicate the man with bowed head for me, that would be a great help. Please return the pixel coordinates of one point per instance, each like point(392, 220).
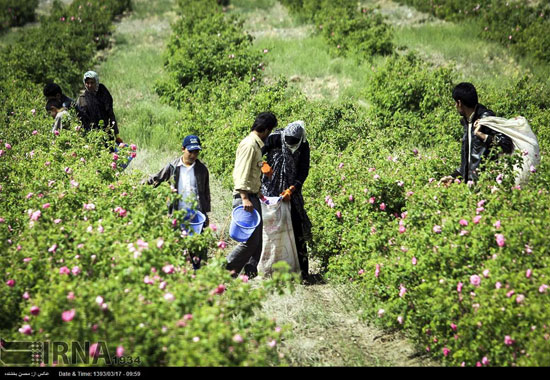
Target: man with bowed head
point(288, 155)
point(247, 182)
point(191, 179)
point(478, 142)
point(96, 105)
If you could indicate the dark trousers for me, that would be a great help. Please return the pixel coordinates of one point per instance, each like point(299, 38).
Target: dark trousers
point(301, 246)
point(247, 255)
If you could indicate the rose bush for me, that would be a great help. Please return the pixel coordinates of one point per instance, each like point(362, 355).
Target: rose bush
point(16, 13)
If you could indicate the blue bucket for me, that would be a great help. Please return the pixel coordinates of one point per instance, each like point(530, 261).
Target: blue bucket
point(243, 224)
point(196, 223)
point(130, 158)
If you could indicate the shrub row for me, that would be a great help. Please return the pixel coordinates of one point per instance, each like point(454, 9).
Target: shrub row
point(380, 220)
point(348, 29)
point(518, 24)
point(16, 13)
point(91, 258)
point(64, 45)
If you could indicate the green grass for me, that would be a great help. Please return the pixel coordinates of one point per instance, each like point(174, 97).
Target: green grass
point(130, 72)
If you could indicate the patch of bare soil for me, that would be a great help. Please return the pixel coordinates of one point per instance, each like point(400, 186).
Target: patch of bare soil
point(401, 15)
point(320, 88)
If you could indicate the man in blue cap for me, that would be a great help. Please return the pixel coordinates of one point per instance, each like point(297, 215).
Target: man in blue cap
point(189, 176)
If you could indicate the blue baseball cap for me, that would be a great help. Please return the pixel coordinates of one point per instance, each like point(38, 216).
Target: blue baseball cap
point(192, 142)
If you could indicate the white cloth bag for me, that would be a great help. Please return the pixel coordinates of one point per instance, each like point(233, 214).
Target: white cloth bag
point(519, 130)
point(278, 236)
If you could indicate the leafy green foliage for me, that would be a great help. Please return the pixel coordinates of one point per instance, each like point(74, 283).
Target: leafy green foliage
point(16, 13)
point(360, 32)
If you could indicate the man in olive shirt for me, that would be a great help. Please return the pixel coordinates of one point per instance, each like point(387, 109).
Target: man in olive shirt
point(247, 182)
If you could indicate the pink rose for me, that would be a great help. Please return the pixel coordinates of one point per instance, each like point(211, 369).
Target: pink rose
point(222, 244)
point(508, 340)
point(169, 297)
point(459, 287)
point(475, 280)
point(168, 269)
point(446, 351)
point(402, 290)
point(94, 350)
point(26, 329)
point(382, 206)
point(64, 270)
point(237, 338)
point(463, 222)
point(414, 261)
point(68, 315)
point(528, 273)
point(476, 219)
point(501, 241)
point(437, 229)
point(35, 310)
point(377, 270)
point(381, 313)
point(220, 289)
point(119, 351)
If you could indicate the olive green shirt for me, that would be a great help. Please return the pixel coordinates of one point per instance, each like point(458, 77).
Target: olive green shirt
point(248, 162)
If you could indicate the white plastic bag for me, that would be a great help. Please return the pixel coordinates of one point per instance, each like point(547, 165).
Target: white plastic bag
point(277, 236)
point(519, 130)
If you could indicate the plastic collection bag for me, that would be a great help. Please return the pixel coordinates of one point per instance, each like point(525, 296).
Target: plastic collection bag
point(519, 130)
point(278, 236)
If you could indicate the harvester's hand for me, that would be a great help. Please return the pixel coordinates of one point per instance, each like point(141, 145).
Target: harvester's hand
point(266, 169)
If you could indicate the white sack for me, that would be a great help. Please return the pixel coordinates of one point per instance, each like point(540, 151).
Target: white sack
point(524, 140)
point(278, 236)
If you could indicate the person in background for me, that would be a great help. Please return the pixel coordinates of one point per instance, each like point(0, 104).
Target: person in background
point(61, 116)
point(288, 155)
point(247, 182)
point(52, 91)
point(191, 179)
point(478, 143)
point(95, 107)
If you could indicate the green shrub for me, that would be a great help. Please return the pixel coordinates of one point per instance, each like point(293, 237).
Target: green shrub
point(361, 32)
point(16, 13)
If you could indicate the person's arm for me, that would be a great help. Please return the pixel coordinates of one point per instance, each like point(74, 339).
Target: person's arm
point(82, 113)
point(244, 164)
point(492, 137)
point(302, 170)
point(207, 190)
point(108, 104)
point(163, 175)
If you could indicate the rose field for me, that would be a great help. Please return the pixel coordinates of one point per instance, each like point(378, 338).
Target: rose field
point(90, 256)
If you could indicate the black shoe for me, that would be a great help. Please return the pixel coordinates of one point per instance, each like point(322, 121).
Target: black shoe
point(250, 271)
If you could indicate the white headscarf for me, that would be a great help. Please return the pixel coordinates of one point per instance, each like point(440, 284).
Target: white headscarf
point(295, 129)
point(93, 75)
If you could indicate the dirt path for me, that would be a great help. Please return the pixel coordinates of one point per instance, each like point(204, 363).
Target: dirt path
point(327, 331)
point(325, 323)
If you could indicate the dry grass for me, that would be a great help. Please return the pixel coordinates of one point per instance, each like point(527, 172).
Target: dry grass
point(327, 331)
